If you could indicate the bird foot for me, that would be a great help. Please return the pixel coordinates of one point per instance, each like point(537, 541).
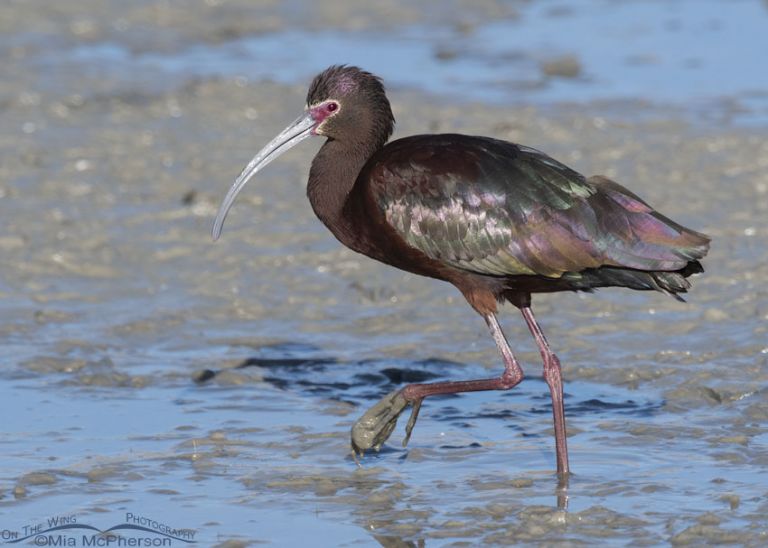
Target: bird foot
point(376, 425)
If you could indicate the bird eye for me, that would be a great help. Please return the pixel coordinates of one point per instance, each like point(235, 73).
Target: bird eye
point(331, 107)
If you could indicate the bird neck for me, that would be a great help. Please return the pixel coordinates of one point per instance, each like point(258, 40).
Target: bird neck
point(331, 179)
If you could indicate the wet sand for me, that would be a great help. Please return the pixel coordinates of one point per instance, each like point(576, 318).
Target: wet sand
point(113, 300)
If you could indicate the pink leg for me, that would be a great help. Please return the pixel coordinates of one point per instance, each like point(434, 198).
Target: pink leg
point(554, 379)
point(376, 425)
point(510, 378)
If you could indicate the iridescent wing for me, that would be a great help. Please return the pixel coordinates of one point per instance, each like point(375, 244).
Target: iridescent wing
point(496, 208)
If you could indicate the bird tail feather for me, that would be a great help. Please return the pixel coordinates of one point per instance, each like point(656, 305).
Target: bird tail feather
point(671, 283)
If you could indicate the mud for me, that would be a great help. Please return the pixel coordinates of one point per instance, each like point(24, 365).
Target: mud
point(212, 386)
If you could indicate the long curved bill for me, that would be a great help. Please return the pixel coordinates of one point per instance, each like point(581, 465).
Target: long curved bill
point(300, 129)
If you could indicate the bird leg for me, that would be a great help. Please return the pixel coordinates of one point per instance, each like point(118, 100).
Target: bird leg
point(554, 379)
point(376, 425)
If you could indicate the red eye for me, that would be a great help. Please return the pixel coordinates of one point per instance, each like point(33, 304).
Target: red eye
point(331, 107)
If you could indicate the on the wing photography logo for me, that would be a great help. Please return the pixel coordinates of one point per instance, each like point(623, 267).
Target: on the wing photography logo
point(134, 531)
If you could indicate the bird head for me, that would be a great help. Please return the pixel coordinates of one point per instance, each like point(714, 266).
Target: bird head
point(344, 104)
point(350, 105)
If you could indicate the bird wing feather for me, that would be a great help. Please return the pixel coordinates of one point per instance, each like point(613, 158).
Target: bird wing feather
point(495, 208)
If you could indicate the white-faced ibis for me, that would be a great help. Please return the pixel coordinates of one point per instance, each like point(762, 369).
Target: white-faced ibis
point(498, 220)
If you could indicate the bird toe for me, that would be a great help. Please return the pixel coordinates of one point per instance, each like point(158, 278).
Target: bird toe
point(376, 425)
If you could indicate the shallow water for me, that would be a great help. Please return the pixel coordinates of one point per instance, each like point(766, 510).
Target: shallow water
point(665, 52)
point(124, 124)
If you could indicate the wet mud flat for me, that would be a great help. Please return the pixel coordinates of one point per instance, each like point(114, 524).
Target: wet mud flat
point(114, 303)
